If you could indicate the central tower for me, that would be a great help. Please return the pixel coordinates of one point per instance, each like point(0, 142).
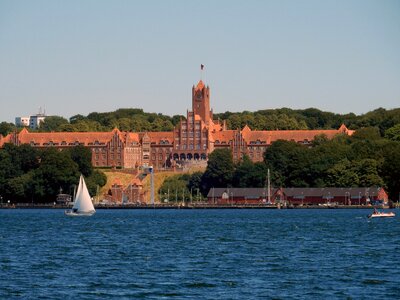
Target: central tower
point(201, 102)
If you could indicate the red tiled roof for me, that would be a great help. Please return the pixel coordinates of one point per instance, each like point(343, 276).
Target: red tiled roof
point(132, 137)
point(136, 181)
point(117, 182)
point(5, 139)
point(157, 137)
point(295, 135)
point(225, 135)
point(344, 129)
point(269, 136)
point(40, 138)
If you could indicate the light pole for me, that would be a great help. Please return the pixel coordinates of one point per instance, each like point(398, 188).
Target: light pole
point(359, 198)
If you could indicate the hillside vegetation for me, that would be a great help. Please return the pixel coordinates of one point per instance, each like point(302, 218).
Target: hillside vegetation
point(136, 120)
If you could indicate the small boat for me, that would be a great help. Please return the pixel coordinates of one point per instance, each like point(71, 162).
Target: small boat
point(83, 205)
point(381, 214)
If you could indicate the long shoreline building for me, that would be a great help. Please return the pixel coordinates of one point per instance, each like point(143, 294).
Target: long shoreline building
point(191, 140)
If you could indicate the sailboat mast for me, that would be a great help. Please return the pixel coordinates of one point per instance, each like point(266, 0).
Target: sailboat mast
point(269, 187)
point(74, 195)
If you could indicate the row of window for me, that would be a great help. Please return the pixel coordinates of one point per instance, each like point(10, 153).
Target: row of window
point(160, 157)
point(161, 150)
point(96, 143)
point(51, 143)
point(190, 147)
point(111, 156)
point(97, 163)
point(196, 126)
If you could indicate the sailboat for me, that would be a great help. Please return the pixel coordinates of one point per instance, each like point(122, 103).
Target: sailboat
point(83, 205)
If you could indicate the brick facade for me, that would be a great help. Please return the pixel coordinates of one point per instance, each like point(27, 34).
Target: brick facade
point(191, 140)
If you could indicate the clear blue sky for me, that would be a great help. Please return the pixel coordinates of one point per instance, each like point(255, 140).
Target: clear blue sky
point(76, 57)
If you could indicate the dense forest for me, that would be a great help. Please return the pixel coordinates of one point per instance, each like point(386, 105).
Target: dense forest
point(133, 119)
point(38, 175)
point(363, 160)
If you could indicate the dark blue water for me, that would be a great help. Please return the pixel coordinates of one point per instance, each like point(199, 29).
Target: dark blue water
point(199, 254)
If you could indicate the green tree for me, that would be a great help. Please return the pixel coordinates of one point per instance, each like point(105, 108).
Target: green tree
point(52, 123)
point(369, 133)
point(219, 171)
point(390, 170)
point(289, 163)
point(367, 170)
point(6, 128)
point(57, 171)
point(195, 181)
point(124, 124)
point(343, 174)
point(249, 174)
point(96, 180)
point(77, 118)
point(20, 187)
point(234, 122)
point(393, 133)
point(82, 156)
point(176, 187)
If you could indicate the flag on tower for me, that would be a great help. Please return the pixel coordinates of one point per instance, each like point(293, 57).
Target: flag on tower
point(202, 67)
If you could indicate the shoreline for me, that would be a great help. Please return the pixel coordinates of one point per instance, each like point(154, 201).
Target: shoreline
point(188, 206)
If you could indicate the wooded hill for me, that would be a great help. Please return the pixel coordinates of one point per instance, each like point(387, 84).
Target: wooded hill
point(136, 120)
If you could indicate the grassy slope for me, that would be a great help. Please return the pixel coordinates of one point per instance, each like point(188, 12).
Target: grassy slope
point(112, 177)
point(125, 179)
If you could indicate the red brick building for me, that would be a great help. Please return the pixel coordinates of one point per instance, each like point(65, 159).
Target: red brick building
point(131, 194)
point(300, 196)
point(191, 140)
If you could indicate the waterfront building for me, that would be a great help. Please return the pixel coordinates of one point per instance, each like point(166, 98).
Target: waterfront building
point(190, 142)
point(300, 196)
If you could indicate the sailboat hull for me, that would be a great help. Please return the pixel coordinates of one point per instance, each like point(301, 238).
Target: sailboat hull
point(71, 213)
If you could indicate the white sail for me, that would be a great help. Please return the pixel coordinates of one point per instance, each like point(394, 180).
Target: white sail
point(83, 203)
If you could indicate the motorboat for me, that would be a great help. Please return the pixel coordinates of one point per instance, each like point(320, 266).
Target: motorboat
point(381, 214)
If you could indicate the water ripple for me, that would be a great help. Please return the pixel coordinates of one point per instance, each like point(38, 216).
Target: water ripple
point(204, 254)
